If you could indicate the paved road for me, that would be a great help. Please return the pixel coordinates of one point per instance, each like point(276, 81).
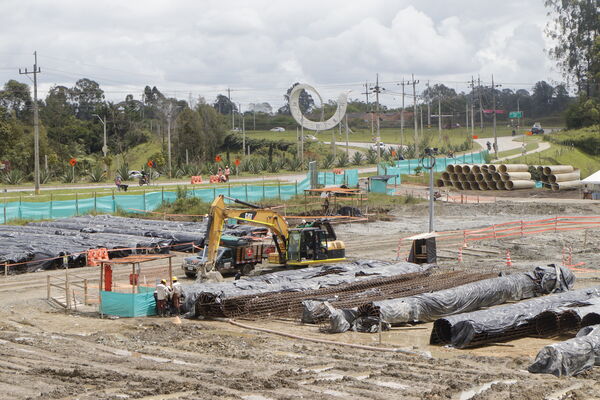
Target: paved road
point(285, 178)
point(506, 143)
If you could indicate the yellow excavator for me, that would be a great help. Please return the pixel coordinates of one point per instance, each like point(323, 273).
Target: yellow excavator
point(310, 243)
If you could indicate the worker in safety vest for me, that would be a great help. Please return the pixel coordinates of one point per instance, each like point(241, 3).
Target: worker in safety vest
point(177, 291)
point(162, 295)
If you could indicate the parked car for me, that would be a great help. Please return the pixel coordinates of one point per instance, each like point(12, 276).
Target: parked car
point(382, 146)
point(536, 129)
point(135, 174)
point(310, 138)
point(277, 129)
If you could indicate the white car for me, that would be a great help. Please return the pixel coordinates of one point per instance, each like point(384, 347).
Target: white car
point(381, 145)
point(277, 129)
point(310, 138)
point(135, 174)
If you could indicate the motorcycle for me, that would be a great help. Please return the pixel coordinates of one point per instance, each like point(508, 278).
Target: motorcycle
point(144, 180)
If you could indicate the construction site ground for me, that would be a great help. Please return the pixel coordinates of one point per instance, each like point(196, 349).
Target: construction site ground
point(47, 353)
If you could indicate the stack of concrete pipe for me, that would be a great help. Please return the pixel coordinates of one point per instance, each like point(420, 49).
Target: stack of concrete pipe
point(559, 177)
point(507, 177)
point(487, 177)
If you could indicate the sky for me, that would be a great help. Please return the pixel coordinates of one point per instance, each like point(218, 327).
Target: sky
point(259, 48)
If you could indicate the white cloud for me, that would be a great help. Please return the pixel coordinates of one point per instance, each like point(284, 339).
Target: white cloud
point(263, 46)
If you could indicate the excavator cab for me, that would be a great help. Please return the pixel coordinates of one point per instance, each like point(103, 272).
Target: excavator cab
point(314, 243)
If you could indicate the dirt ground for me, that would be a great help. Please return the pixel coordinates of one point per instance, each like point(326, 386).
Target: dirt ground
point(49, 354)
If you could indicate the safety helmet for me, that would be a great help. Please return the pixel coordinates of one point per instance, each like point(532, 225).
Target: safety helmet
point(174, 279)
point(163, 281)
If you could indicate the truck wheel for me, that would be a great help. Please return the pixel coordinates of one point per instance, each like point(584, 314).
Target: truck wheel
point(191, 275)
point(247, 269)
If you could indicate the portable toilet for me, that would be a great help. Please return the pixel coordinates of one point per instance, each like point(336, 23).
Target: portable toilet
point(378, 184)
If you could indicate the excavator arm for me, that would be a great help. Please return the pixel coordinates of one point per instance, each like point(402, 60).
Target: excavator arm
point(219, 212)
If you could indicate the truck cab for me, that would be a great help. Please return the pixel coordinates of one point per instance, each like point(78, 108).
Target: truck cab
point(229, 259)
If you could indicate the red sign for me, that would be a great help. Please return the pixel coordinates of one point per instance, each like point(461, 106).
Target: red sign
point(393, 153)
point(218, 158)
point(475, 137)
point(150, 163)
point(237, 162)
point(72, 161)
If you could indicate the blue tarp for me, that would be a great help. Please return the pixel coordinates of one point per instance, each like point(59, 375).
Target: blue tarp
point(140, 304)
point(407, 167)
point(348, 177)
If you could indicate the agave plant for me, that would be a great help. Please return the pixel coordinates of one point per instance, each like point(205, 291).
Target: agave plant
point(97, 174)
point(123, 171)
point(327, 161)
point(294, 164)
point(371, 156)
point(343, 160)
point(262, 164)
point(69, 176)
point(357, 158)
point(252, 167)
point(45, 176)
point(12, 177)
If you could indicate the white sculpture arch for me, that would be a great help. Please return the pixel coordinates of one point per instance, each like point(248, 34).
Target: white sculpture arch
point(335, 119)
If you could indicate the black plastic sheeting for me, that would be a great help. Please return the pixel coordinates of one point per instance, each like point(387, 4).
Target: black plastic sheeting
point(503, 322)
point(293, 280)
point(570, 357)
point(183, 235)
point(473, 296)
point(39, 247)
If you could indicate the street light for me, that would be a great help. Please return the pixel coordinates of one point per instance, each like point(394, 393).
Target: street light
point(105, 147)
point(431, 153)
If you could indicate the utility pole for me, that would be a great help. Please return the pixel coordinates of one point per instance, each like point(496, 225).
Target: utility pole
point(428, 109)
point(377, 89)
point(36, 123)
point(369, 111)
point(413, 83)
point(480, 104)
point(105, 147)
point(347, 149)
point(467, 114)
point(472, 107)
point(243, 127)
point(494, 110)
point(232, 111)
point(440, 118)
point(402, 114)
point(169, 116)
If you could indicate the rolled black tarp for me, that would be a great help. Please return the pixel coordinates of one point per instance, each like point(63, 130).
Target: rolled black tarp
point(473, 296)
point(503, 322)
point(570, 357)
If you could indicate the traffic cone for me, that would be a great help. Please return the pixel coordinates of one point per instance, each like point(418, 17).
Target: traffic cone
point(508, 260)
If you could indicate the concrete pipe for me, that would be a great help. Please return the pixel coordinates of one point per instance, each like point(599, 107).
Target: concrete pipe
point(450, 168)
point(458, 185)
point(448, 183)
point(504, 168)
point(476, 168)
point(471, 177)
point(483, 185)
point(496, 176)
point(466, 169)
point(474, 186)
point(484, 168)
point(479, 177)
point(540, 169)
point(547, 185)
point(446, 176)
point(439, 183)
point(512, 185)
point(466, 185)
point(545, 178)
point(568, 185)
point(516, 176)
point(571, 176)
point(488, 176)
point(458, 168)
point(454, 177)
point(557, 169)
point(500, 185)
point(462, 178)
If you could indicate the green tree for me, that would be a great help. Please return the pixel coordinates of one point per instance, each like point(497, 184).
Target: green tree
point(575, 29)
point(87, 98)
point(200, 132)
point(16, 98)
point(224, 106)
point(305, 101)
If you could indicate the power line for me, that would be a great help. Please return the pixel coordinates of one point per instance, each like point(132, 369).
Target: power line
point(36, 127)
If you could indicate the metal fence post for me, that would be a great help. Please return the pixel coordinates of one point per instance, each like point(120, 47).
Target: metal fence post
point(51, 205)
point(296, 187)
point(144, 197)
point(76, 204)
point(279, 189)
point(162, 195)
point(246, 192)
point(95, 205)
point(20, 212)
point(114, 201)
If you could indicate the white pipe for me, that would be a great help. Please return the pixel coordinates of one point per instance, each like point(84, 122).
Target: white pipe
point(513, 168)
point(512, 185)
point(516, 176)
point(557, 169)
point(571, 176)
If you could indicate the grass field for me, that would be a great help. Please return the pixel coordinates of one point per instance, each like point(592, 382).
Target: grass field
point(558, 154)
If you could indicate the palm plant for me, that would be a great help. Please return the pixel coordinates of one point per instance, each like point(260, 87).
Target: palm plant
point(12, 177)
point(328, 161)
point(357, 158)
point(123, 171)
point(371, 156)
point(97, 174)
point(343, 160)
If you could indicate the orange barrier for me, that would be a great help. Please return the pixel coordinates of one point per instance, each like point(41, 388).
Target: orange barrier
point(214, 179)
point(338, 171)
point(95, 255)
point(196, 180)
point(507, 230)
